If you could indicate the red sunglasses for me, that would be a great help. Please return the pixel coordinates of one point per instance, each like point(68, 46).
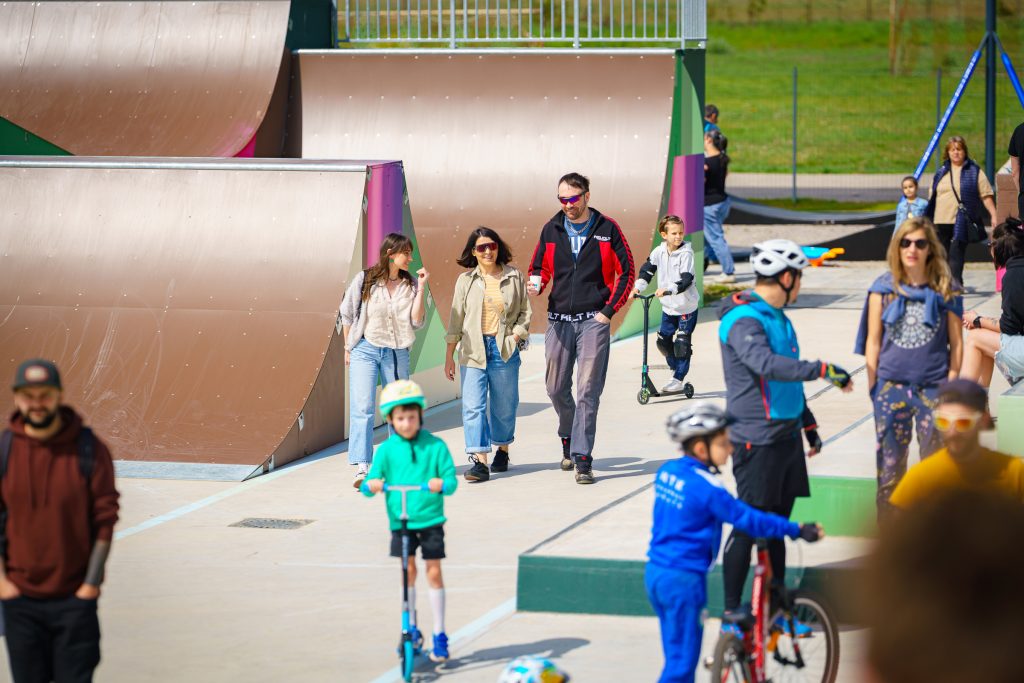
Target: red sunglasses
point(487, 246)
point(567, 201)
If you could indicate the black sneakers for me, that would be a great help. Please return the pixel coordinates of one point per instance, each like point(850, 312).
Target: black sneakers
point(584, 470)
point(566, 455)
point(478, 472)
point(500, 463)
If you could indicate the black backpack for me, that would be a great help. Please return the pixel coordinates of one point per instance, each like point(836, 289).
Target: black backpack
point(86, 452)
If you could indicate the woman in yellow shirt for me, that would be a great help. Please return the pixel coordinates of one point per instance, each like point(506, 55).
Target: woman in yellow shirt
point(489, 321)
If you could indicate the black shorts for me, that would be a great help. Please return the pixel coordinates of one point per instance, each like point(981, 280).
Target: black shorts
point(770, 475)
point(430, 539)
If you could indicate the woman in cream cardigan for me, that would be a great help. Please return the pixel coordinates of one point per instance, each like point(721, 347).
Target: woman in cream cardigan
point(489, 322)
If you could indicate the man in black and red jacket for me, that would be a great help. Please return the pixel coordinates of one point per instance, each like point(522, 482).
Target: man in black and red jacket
point(585, 257)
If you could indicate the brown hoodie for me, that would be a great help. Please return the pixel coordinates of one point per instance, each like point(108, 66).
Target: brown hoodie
point(53, 517)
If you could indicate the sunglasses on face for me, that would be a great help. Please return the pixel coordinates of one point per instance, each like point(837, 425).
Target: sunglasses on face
point(487, 246)
point(921, 244)
point(944, 422)
point(568, 201)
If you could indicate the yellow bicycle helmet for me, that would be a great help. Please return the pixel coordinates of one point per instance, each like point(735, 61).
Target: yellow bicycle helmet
point(400, 393)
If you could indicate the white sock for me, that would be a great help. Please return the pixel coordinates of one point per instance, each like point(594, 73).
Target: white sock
point(412, 605)
point(437, 607)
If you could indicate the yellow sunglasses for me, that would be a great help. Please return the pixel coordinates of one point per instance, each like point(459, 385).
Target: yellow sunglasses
point(944, 422)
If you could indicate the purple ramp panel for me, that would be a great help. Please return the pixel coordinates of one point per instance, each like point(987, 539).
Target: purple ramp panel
point(383, 206)
point(686, 196)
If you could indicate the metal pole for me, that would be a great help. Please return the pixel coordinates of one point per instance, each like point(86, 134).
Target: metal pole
point(990, 90)
point(576, 23)
point(794, 135)
point(451, 23)
point(938, 106)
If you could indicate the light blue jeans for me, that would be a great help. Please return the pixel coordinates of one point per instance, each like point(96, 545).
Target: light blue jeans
point(714, 233)
point(366, 365)
point(490, 399)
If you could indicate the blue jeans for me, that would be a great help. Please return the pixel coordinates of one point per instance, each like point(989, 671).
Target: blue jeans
point(714, 234)
point(490, 399)
point(678, 598)
point(669, 325)
point(368, 363)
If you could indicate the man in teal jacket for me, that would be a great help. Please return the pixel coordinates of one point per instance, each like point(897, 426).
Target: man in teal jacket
point(412, 455)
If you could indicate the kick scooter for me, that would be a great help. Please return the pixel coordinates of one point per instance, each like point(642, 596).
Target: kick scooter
point(647, 388)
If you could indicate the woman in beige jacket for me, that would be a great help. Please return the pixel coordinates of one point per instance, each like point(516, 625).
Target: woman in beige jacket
point(489, 323)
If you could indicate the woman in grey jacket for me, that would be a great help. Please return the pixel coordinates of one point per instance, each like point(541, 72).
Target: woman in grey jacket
point(489, 321)
point(380, 314)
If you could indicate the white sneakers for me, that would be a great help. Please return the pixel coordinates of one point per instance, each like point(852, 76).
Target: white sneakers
point(674, 387)
point(361, 471)
point(725, 279)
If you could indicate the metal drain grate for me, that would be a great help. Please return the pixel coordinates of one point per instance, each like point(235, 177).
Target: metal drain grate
point(271, 523)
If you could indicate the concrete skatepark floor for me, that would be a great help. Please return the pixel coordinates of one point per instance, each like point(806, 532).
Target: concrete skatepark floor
point(189, 597)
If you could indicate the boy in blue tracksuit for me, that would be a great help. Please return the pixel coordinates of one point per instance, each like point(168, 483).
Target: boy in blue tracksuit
point(690, 506)
point(764, 395)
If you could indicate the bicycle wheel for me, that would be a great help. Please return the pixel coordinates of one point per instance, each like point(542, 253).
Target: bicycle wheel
point(730, 663)
point(408, 660)
point(811, 653)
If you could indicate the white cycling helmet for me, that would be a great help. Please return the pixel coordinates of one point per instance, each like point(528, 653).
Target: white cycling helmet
point(771, 257)
point(532, 670)
point(702, 419)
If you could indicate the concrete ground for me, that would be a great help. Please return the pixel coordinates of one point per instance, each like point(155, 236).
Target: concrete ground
point(189, 597)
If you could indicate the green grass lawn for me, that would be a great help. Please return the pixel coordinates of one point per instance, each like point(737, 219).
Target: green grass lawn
point(853, 115)
point(826, 205)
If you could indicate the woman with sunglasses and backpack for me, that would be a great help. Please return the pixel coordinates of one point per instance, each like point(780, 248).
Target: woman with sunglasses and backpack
point(911, 339)
point(993, 342)
point(489, 323)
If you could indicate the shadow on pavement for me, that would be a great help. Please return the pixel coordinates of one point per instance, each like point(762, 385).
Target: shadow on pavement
point(552, 648)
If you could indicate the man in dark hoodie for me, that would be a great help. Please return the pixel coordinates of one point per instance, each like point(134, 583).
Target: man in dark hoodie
point(586, 258)
point(57, 517)
point(764, 379)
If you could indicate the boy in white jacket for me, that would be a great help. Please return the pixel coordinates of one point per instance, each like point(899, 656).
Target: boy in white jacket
point(672, 263)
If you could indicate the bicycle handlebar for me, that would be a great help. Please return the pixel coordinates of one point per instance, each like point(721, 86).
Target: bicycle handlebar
point(406, 487)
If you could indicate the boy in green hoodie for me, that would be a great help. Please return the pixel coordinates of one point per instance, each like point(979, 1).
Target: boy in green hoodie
point(412, 455)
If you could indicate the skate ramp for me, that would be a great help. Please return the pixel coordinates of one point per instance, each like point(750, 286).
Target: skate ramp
point(190, 304)
point(141, 78)
point(484, 137)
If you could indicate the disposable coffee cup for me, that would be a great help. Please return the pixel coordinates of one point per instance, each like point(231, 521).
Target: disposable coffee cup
point(535, 281)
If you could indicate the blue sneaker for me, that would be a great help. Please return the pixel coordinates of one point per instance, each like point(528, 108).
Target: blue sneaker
point(439, 653)
point(801, 629)
point(732, 629)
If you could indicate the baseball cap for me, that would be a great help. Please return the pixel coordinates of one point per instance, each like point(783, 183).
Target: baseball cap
point(37, 373)
point(964, 392)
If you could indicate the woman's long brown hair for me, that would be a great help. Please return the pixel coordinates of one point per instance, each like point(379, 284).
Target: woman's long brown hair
point(937, 269)
point(394, 243)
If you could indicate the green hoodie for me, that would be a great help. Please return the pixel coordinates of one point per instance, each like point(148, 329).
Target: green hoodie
point(404, 462)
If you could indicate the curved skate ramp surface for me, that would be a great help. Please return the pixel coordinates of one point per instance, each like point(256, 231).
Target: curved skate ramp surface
point(484, 137)
point(141, 78)
point(746, 212)
point(191, 304)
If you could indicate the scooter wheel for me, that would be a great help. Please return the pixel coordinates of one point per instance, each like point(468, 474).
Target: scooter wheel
point(688, 390)
point(643, 397)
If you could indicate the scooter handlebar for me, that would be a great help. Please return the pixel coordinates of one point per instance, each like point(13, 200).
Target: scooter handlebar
point(406, 487)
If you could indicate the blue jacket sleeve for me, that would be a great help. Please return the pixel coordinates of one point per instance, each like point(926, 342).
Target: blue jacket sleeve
point(745, 518)
point(748, 339)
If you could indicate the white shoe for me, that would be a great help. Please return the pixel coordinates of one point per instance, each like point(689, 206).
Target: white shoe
point(360, 477)
point(725, 279)
point(674, 387)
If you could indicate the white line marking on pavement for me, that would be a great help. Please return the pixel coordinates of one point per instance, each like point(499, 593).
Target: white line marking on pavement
point(467, 632)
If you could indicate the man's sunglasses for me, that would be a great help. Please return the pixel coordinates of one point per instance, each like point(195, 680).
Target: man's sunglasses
point(567, 201)
point(921, 244)
point(487, 246)
point(943, 422)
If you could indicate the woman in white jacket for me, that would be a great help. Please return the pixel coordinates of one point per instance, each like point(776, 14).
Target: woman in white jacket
point(672, 263)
